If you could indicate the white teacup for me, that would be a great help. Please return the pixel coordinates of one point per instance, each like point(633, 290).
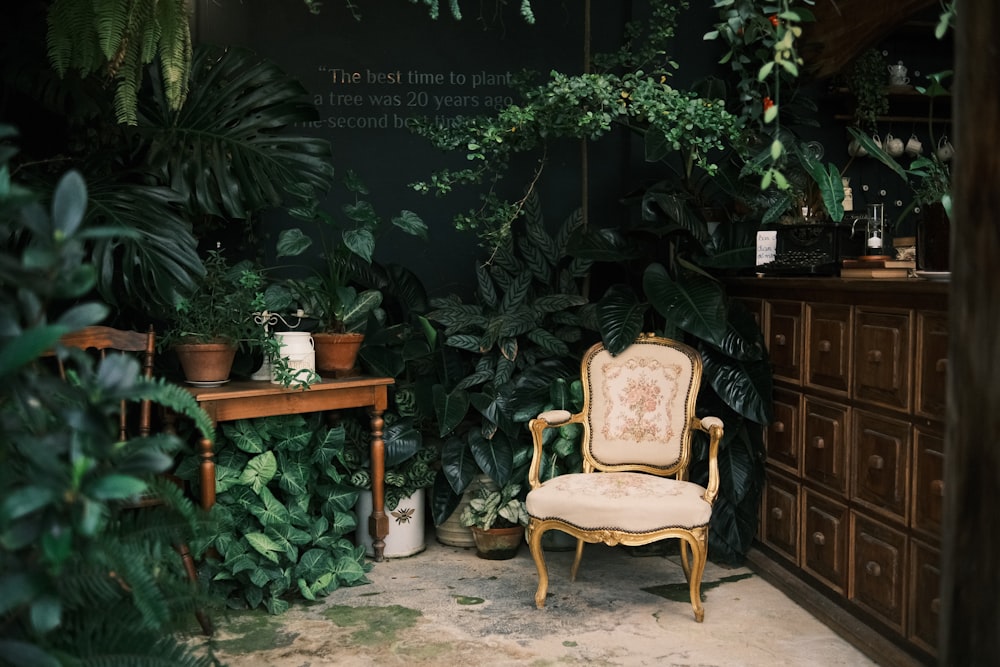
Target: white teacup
point(855, 149)
point(945, 151)
point(913, 146)
point(893, 146)
point(897, 75)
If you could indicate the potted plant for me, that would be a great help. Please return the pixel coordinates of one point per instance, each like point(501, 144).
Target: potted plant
point(497, 518)
point(212, 322)
point(330, 294)
point(409, 460)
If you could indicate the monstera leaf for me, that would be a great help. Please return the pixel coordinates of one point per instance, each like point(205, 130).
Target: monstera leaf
point(226, 151)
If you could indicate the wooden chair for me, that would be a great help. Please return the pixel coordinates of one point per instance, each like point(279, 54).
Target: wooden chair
point(106, 340)
point(638, 416)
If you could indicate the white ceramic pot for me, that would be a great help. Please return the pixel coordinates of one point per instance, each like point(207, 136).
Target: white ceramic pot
point(297, 348)
point(406, 526)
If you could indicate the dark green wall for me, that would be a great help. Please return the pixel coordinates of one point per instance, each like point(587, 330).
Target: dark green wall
point(397, 41)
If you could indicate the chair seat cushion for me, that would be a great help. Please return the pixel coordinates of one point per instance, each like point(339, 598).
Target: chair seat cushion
point(625, 501)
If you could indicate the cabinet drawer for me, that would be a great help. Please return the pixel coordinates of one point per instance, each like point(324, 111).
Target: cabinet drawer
point(783, 435)
point(925, 600)
point(928, 482)
point(828, 347)
point(878, 581)
point(825, 456)
point(881, 468)
point(932, 364)
point(780, 516)
point(882, 358)
point(824, 540)
point(784, 339)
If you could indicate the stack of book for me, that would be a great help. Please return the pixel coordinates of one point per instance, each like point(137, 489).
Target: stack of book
point(877, 268)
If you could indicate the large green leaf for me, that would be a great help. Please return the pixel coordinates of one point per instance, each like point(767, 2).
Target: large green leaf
point(227, 151)
point(693, 302)
point(457, 463)
point(744, 385)
point(620, 316)
point(402, 441)
point(450, 408)
point(443, 499)
point(155, 256)
point(828, 181)
point(495, 456)
point(603, 245)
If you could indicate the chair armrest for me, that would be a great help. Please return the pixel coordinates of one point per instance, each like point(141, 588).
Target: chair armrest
point(714, 427)
point(547, 419)
point(555, 417)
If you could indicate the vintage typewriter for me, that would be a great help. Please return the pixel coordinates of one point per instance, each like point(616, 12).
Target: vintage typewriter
point(812, 249)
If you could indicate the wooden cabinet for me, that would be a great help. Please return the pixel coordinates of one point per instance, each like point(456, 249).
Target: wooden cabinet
point(854, 490)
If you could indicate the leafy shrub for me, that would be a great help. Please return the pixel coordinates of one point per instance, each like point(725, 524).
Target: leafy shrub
point(282, 509)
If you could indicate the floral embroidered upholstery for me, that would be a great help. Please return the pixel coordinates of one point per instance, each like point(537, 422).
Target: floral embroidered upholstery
point(638, 411)
point(637, 416)
point(633, 502)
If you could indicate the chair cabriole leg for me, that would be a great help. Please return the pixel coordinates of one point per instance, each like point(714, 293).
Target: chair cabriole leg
point(535, 545)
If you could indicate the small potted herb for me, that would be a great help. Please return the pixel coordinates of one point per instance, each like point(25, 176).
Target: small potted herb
point(329, 295)
point(211, 323)
point(497, 518)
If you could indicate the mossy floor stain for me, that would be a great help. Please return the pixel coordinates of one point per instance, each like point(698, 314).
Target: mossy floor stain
point(681, 592)
point(254, 631)
point(375, 625)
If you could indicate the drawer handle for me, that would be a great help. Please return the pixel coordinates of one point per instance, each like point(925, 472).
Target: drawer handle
point(875, 356)
point(941, 366)
point(824, 346)
point(818, 442)
point(779, 427)
point(776, 513)
point(779, 339)
point(819, 538)
point(936, 606)
point(876, 462)
point(937, 487)
point(873, 568)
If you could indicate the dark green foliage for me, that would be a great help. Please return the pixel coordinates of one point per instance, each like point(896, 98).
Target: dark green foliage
point(83, 580)
point(682, 300)
point(526, 328)
point(408, 460)
point(283, 509)
point(221, 158)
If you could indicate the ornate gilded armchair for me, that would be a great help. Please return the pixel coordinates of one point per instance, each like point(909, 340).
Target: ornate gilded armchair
point(638, 415)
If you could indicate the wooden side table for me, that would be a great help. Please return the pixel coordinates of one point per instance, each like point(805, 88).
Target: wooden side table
point(249, 399)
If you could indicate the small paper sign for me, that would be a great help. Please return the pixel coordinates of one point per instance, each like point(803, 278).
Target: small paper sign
point(767, 244)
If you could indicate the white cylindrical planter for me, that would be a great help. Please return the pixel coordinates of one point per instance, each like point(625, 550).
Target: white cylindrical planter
point(297, 348)
point(406, 525)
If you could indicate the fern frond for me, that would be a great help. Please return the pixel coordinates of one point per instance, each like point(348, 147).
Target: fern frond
point(111, 19)
point(72, 39)
point(175, 50)
point(177, 399)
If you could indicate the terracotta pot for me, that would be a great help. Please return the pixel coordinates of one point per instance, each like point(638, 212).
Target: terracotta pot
point(498, 543)
point(206, 362)
point(336, 352)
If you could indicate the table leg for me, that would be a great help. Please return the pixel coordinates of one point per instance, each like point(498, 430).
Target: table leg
point(378, 522)
point(205, 451)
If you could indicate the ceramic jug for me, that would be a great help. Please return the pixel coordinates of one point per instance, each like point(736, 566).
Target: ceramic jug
point(897, 75)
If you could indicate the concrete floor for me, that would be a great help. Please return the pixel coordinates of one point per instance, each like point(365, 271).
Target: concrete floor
point(445, 606)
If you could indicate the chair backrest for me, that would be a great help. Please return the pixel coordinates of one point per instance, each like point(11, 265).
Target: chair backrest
point(639, 406)
point(105, 340)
